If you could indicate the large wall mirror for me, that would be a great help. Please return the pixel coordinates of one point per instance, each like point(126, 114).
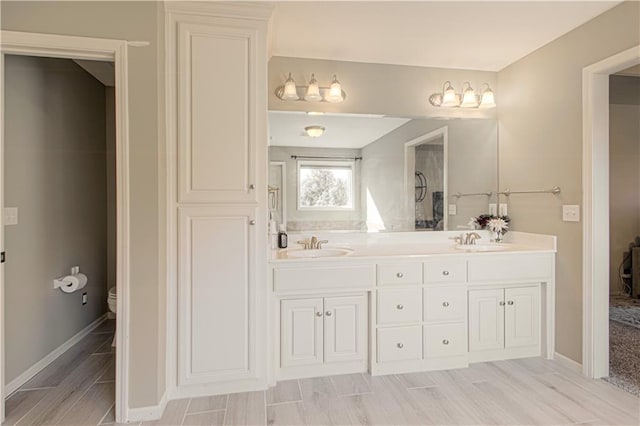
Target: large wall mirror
point(376, 173)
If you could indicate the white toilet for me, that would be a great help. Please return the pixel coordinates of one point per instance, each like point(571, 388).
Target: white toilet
point(112, 302)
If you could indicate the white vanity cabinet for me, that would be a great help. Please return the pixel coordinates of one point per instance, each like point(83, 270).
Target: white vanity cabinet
point(323, 330)
point(216, 71)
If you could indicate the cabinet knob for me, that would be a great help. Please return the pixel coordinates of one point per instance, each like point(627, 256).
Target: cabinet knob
point(445, 273)
point(252, 186)
point(400, 307)
point(252, 222)
point(399, 275)
point(328, 313)
point(445, 304)
point(501, 303)
point(318, 314)
point(445, 342)
point(400, 345)
point(510, 302)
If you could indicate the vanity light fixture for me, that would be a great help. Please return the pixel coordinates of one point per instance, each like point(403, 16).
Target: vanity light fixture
point(313, 92)
point(314, 131)
point(467, 99)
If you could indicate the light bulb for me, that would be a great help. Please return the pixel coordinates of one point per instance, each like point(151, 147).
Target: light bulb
point(335, 91)
point(449, 98)
point(290, 93)
point(488, 100)
point(313, 91)
point(469, 99)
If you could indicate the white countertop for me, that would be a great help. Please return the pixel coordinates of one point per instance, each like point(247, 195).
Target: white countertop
point(409, 245)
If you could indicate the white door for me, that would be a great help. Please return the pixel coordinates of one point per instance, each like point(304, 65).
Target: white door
point(301, 322)
point(345, 329)
point(216, 270)
point(522, 316)
point(218, 100)
point(486, 320)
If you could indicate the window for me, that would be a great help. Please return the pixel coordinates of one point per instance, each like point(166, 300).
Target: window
point(325, 185)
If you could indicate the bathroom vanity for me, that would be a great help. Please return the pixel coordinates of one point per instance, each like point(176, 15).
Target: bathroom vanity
point(406, 302)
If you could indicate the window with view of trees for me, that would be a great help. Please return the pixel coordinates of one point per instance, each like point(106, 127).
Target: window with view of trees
point(325, 185)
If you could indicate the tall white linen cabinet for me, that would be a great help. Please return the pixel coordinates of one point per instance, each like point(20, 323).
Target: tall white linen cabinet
point(216, 95)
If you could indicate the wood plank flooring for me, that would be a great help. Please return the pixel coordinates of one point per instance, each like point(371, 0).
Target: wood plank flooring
point(78, 389)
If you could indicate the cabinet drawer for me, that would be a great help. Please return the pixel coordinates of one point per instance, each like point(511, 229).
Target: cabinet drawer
point(401, 273)
point(399, 343)
point(397, 306)
point(445, 271)
point(445, 340)
point(525, 267)
point(445, 303)
point(324, 278)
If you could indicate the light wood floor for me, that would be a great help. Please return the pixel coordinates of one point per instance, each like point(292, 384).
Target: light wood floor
point(524, 392)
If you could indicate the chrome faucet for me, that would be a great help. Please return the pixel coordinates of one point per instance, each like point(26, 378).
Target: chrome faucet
point(313, 243)
point(471, 237)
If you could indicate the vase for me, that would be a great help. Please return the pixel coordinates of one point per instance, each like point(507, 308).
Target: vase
point(498, 238)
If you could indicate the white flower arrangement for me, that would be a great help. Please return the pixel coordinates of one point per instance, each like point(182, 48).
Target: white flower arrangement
point(498, 225)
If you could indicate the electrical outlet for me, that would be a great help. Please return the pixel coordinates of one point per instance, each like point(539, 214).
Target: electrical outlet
point(504, 211)
point(571, 213)
point(453, 209)
point(493, 209)
point(85, 298)
point(10, 216)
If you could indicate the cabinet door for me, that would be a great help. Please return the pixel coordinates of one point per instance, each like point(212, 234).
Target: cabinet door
point(301, 332)
point(522, 316)
point(345, 329)
point(219, 108)
point(216, 279)
point(486, 319)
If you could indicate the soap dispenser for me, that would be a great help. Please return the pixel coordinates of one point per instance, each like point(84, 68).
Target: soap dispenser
point(282, 237)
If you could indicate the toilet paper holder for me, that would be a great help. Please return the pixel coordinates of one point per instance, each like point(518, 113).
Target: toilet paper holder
point(60, 282)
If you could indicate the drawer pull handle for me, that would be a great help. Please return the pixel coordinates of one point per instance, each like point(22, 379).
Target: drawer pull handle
point(399, 275)
point(501, 303)
point(318, 314)
point(445, 342)
point(445, 304)
point(328, 313)
point(400, 307)
point(445, 273)
point(252, 186)
point(400, 345)
point(252, 222)
point(510, 302)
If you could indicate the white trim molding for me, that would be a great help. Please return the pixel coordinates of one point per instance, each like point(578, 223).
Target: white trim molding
point(59, 46)
point(567, 362)
point(23, 378)
point(143, 414)
point(595, 185)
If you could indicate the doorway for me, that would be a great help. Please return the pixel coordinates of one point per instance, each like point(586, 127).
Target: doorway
point(82, 49)
point(596, 197)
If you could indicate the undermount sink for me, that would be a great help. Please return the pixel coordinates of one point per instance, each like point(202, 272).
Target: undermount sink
point(483, 247)
point(298, 253)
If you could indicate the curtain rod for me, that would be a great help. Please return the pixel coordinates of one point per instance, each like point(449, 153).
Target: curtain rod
point(310, 157)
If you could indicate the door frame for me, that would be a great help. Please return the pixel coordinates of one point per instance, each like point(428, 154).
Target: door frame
point(410, 168)
point(595, 228)
point(68, 47)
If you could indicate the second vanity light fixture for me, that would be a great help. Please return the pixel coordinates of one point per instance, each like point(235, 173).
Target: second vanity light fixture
point(467, 99)
point(311, 93)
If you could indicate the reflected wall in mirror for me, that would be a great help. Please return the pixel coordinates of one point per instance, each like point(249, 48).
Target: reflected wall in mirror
point(378, 173)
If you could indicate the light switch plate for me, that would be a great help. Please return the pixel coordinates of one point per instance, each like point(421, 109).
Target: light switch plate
point(453, 209)
point(504, 211)
point(571, 213)
point(493, 209)
point(10, 216)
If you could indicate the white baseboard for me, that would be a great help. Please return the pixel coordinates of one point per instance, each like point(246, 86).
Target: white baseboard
point(568, 362)
point(142, 414)
point(23, 378)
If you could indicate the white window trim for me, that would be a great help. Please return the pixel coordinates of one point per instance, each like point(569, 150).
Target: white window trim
point(327, 163)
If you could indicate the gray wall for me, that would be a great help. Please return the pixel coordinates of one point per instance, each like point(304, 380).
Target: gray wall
point(540, 110)
point(624, 170)
point(130, 20)
point(472, 167)
point(299, 220)
point(55, 159)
